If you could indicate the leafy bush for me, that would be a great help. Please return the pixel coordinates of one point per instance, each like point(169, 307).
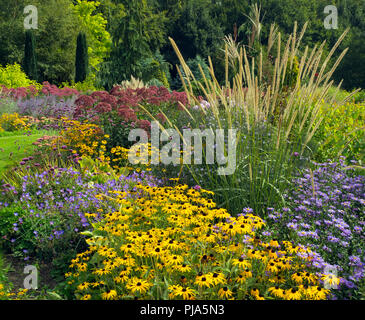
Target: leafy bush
point(94, 25)
point(342, 132)
point(12, 76)
point(87, 86)
point(84, 139)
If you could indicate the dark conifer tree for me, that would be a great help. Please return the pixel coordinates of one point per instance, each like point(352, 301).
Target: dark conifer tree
point(82, 58)
point(30, 60)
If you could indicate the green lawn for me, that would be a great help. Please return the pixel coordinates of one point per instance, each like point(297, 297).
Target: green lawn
point(13, 148)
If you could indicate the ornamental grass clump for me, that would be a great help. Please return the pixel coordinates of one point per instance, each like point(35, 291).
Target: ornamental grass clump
point(173, 243)
point(274, 121)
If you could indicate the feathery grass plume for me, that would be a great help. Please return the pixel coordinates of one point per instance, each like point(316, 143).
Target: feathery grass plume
point(274, 122)
point(134, 83)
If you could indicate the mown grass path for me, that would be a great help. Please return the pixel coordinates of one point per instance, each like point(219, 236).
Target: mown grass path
point(14, 148)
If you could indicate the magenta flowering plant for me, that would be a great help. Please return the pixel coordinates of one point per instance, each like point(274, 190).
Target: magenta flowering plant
point(124, 103)
point(119, 110)
point(45, 89)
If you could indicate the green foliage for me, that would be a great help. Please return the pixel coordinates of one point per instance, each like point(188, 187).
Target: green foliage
point(193, 65)
point(56, 35)
point(101, 171)
point(134, 35)
point(88, 85)
point(352, 69)
point(155, 82)
point(8, 105)
point(12, 76)
point(342, 132)
point(7, 220)
point(230, 12)
point(11, 31)
point(30, 60)
point(195, 31)
point(93, 24)
point(4, 269)
point(82, 59)
point(157, 69)
point(56, 38)
point(292, 74)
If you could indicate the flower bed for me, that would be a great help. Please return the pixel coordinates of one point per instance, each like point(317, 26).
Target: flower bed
point(173, 243)
point(328, 214)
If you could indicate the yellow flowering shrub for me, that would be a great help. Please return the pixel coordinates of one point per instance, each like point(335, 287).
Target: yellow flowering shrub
point(84, 138)
point(173, 243)
point(13, 122)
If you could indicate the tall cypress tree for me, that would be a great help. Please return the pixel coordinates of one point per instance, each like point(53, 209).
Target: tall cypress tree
point(82, 58)
point(30, 60)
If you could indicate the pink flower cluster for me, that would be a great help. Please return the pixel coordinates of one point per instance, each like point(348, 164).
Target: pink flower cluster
point(125, 102)
point(152, 95)
point(32, 91)
point(51, 89)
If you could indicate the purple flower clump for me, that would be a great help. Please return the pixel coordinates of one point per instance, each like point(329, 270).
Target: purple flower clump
point(327, 214)
point(55, 202)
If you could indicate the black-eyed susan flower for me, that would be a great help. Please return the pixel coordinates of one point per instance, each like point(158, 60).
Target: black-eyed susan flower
point(136, 285)
point(225, 293)
point(101, 272)
point(246, 273)
point(319, 293)
point(297, 277)
point(174, 291)
point(292, 294)
point(218, 278)
point(330, 279)
point(109, 295)
point(277, 291)
point(309, 277)
point(254, 292)
point(183, 267)
point(186, 293)
point(204, 280)
point(141, 242)
point(174, 260)
point(241, 263)
point(241, 279)
point(83, 286)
